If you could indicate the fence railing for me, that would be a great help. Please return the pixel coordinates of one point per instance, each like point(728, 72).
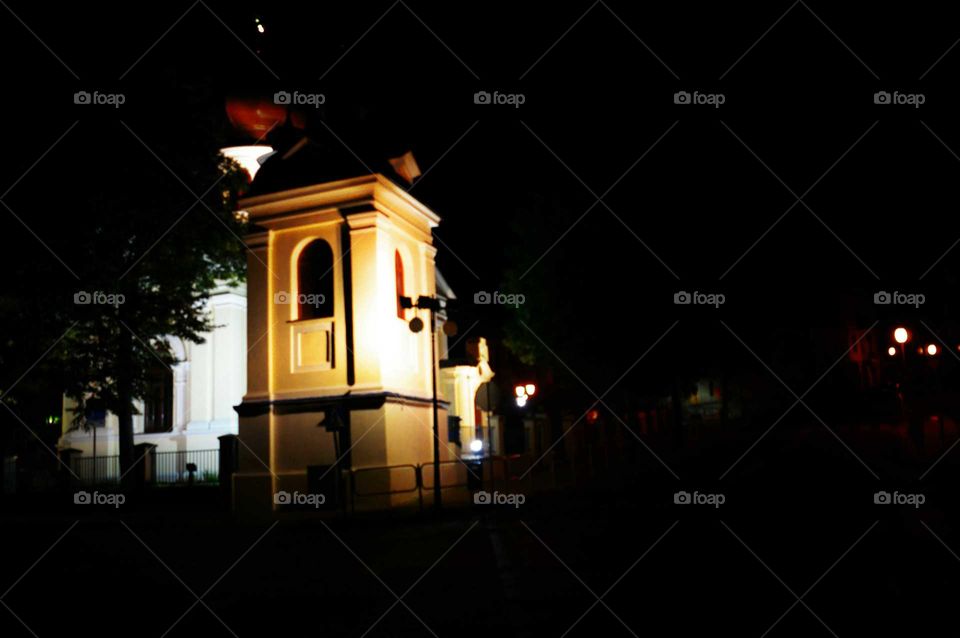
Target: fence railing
point(171, 467)
point(175, 467)
point(466, 475)
point(96, 470)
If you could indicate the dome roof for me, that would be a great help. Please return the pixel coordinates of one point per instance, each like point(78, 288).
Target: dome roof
point(303, 160)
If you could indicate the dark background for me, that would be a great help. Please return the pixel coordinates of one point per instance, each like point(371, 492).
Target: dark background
point(691, 189)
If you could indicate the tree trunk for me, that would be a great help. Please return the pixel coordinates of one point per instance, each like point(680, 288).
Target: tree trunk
point(125, 409)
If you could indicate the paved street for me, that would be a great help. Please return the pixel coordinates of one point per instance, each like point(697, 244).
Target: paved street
point(798, 521)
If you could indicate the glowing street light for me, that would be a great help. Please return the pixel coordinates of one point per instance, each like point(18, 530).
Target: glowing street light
point(524, 392)
point(932, 349)
point(891, 351)
point(900, 335)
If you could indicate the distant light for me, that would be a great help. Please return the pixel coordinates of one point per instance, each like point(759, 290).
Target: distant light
point(476, 445)
point(891, 351)
point(521, 401)
point(932, 349)
point(260, 28)
point(900, 335)
point(531, 389)
point(593, 416)
point(521, 391)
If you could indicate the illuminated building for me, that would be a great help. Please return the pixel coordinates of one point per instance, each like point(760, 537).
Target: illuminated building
point(315, 355)
point(333, 369)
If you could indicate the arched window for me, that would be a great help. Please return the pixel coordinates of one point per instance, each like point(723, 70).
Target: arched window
point(158, 400)
point(315, 281)
point(398, 269)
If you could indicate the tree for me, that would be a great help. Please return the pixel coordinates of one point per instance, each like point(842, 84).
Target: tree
point(143, 230)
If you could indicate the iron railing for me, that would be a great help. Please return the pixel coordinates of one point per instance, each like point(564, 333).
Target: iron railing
point(171, 467)
point(176, 466)
point(96, 470)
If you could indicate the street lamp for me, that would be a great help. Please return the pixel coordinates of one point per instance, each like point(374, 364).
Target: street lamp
point(524, 392)
point(932, 349)
point(431, 304)
point(891, 351)
point(900, 335)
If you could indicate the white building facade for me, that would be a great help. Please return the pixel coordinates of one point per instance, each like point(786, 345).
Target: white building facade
point(192, 402)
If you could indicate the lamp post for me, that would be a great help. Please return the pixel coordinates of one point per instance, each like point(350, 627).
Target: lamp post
point(901, 336)
point(432, 305)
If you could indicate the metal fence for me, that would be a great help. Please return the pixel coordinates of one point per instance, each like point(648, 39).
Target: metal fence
point(171, 467)
point(99, 470)
point(459, 478)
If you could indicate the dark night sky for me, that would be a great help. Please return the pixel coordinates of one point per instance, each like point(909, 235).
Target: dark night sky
point(596, 102)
